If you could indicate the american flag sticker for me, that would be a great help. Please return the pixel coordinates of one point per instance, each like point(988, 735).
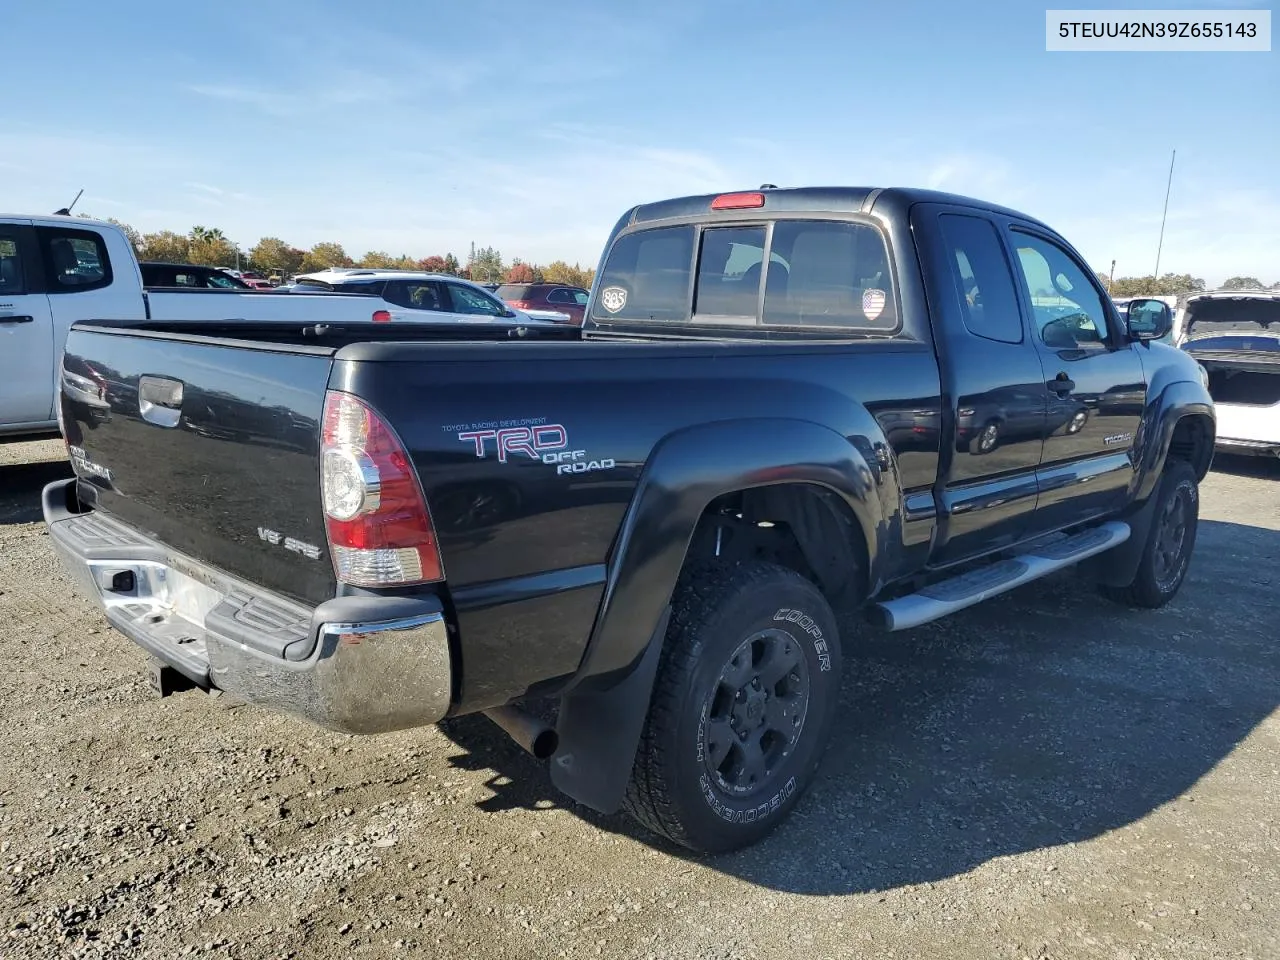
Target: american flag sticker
point(872, 303)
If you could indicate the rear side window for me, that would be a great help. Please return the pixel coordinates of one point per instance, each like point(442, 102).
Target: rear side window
point(514, 291)
point(981, 276)
point(75, 260)
point(829, 275)
point(416, 294)
point(647, 276)
point(11, 282)
point(366, 287)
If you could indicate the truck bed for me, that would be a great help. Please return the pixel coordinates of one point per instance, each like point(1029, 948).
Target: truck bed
point(524, 544)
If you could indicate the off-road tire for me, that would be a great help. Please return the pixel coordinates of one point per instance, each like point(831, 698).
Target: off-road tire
point(716, 609)
point(1150, 589)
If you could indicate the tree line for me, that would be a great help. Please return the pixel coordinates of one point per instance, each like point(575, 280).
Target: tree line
point(271, 256)
point(1175, 285)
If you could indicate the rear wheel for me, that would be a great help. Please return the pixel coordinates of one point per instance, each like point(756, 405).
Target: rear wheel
point(742, 706)
point(1166, 555)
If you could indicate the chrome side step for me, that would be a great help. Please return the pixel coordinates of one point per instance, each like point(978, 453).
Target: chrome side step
point(947, 596)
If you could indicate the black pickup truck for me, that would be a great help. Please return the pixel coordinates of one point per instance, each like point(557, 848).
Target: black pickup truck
point(783, 403)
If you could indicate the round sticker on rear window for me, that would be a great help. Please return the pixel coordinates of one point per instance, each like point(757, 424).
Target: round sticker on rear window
point(872, 303)
point(613, 298)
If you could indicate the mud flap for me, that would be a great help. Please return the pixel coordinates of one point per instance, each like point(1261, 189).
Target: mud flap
point(1118, 567)
point(599, 732)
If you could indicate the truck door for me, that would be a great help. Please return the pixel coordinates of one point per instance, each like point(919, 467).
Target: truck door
point(1094, 385)
point(994, 412)
point(26, 331)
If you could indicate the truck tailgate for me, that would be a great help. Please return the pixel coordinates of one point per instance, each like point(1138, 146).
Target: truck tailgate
point(210, 448)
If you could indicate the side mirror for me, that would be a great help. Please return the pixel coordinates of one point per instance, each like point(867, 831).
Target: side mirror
point(1149, 319)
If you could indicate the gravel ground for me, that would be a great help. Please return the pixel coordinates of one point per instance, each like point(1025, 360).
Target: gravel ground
point(1048, 777)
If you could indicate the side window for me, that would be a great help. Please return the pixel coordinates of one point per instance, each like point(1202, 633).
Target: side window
point(365, 287)
point(415, 294)
point(1068, 310)
point(469, 301)
point(11, 280)
point(221, 281)
point(980, 273)
point(647, 276)
point(580, 297)
point(729, 268)
point(829, 274)
point(559, 296)
point(75, 260)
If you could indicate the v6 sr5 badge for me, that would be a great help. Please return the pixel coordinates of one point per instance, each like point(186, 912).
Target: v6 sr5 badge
point(547, 442)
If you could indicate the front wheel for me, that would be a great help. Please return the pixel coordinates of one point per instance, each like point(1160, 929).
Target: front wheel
point(1166, 555)
point(742, 706)
point(988, 439)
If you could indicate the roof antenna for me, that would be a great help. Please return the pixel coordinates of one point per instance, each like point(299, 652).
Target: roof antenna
point(66, 211)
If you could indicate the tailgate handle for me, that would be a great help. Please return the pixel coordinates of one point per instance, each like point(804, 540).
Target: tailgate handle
point(160, 400)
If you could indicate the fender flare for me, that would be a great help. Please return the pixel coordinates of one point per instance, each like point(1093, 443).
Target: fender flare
point(1176, 400)
point(603, 709)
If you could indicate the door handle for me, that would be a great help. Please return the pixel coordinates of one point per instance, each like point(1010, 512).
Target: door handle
point(1062, 384)
point(21, 319)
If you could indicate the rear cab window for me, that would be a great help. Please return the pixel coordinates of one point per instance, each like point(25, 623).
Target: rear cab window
point(75, 260)
point(809, 275)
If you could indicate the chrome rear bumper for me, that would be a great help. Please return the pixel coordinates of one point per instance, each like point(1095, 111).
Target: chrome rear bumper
point(354, 664)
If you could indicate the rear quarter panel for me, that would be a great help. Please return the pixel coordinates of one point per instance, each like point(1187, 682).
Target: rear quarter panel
point(526, 547)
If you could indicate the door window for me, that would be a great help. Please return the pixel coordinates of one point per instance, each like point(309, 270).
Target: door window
point(11, 281)
point(1067, 308)
point(469, 301)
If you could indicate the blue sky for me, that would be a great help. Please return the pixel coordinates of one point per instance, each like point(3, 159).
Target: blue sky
point(420, 127)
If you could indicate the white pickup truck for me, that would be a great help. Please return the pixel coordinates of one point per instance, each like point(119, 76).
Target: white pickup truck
point(55, 270)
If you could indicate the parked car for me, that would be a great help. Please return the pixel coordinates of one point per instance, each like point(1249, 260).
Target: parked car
point(188, 275)
point(650, 518)
point(547, 296)
point(1235, 337)
point(60, 269)
point(406, 293)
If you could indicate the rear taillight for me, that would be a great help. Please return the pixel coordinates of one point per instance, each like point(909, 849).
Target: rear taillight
point(380, 530)
point(382, 316)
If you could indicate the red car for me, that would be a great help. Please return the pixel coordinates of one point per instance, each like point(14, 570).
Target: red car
point(547, 296)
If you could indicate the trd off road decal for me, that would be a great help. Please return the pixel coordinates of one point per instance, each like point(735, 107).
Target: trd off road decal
point(531, 437)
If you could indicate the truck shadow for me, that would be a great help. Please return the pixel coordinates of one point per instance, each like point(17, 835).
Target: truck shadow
point(1050, 719)
point(1263, 468)
point(20, 486)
